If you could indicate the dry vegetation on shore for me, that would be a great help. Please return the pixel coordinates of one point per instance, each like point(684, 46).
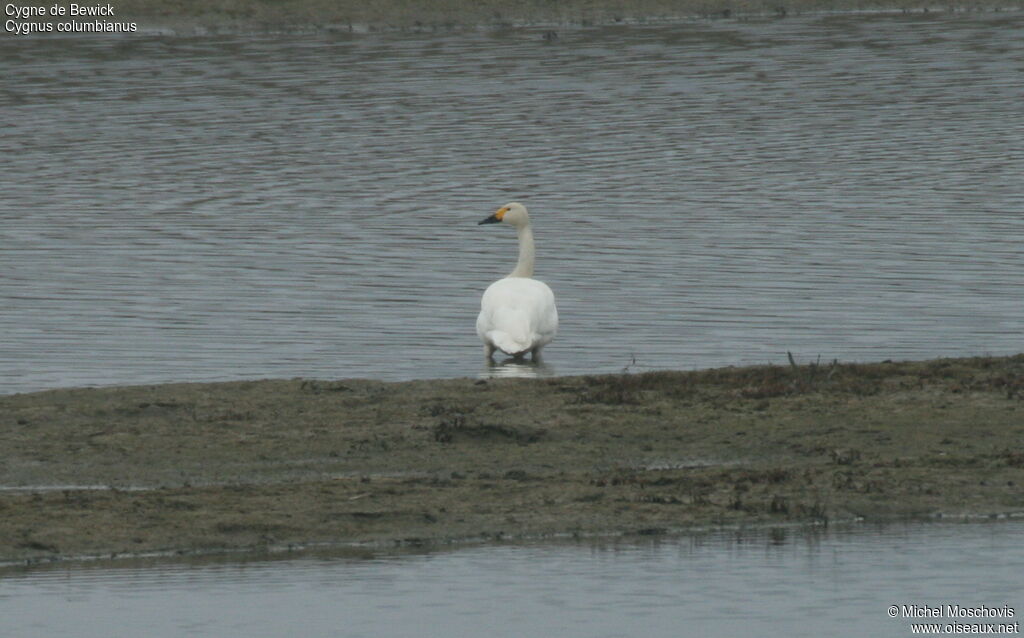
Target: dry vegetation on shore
point(207, 467)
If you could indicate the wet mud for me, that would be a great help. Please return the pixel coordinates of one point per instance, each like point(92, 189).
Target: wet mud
point(275, 464)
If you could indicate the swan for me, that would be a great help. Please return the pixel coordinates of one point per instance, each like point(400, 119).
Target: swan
point(517, 313)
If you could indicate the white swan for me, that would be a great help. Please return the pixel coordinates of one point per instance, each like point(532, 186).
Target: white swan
point(517, 313)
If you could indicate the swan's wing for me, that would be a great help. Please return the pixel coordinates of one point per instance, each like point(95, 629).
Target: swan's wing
point(543, 315)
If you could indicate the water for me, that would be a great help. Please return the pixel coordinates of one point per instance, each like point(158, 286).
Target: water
point(725, 584)
point(704, 194)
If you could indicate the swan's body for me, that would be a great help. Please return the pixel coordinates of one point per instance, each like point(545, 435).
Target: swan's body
point(517, 313)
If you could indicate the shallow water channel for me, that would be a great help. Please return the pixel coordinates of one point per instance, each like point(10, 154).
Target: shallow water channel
point(704, 194)
point(837, 582)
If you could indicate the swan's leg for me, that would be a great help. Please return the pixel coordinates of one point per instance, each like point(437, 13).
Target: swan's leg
point(488, 351)
point(535, 354)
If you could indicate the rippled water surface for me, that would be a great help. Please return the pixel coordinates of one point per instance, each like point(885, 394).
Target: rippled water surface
point(703, 194)
point(835, 583)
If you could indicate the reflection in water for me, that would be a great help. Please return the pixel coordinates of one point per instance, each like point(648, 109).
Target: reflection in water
point(703, 194)
point(780, 583)
point(521, 368)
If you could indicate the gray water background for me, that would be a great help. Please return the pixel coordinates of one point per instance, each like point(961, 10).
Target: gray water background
point(835, 582)
point(704, 194)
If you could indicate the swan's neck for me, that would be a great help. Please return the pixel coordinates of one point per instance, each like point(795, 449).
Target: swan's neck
point(524, 268)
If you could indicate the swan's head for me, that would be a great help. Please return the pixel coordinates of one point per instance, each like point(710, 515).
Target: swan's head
point(512, 213)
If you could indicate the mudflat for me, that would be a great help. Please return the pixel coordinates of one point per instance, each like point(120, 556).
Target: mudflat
point(270, 464)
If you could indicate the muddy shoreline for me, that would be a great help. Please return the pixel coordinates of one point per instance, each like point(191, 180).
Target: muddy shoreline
point(254, 465)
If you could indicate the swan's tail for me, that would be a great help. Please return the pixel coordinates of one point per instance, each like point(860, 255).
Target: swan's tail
point(507, 343)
